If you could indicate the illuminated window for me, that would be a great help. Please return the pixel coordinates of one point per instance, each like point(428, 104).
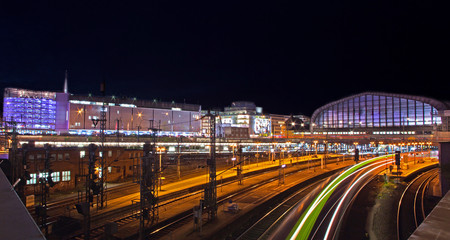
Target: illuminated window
point(65, 175)
point(82, 154)
point(55, 177)
point(32, 179)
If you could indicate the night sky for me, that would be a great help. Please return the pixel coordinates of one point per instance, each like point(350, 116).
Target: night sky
point(289, 57)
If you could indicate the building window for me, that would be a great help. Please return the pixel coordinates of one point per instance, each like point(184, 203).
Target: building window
point(32, 179)
point(39, 157)
point(60, 156)
point(82, 154)
point(66, 157)
point(65, 175)
point(31, 157)
point(43, 175)
point(53, 157)
point(55, 176)
point(109, 153)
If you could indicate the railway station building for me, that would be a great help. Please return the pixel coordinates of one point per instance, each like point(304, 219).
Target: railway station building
point(380, 113)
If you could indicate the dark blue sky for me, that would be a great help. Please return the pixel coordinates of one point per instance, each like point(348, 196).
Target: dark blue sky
point(287, 56)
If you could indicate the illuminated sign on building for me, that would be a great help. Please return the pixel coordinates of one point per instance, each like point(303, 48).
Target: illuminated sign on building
point(261, 125)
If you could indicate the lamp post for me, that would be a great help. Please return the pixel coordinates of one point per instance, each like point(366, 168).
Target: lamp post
point(257, 154)
point(160, 149)
point(325, 142)
point(315, 145)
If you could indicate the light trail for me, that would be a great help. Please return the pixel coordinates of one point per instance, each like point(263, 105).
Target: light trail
point(304, 225)
point(349, 189)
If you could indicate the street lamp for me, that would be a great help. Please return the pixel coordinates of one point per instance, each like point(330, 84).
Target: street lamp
point(315, 145)
point(160, 149)
point(257, 154)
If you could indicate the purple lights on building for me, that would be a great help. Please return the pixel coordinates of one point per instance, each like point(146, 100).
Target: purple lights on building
point(30, 110)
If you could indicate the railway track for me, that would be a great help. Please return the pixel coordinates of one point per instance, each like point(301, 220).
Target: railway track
point(411, 211)
point(165, 227)
point(127, 214)
point(186, 217)
point(263, 226)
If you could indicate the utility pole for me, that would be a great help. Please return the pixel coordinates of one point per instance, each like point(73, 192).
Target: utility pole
point(102, 121)
point(211, 186)
point(45, 181)
point(91, 189)
point(280, 171)
point(179, 159)
point(149, 175)
point(12, 154)
point(240, 165)
point(118, 131)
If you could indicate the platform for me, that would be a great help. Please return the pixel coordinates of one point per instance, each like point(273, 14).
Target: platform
point(436, 225)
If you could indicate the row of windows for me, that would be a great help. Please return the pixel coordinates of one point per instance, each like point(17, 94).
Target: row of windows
point(53, 157)
point(395, 132)
point(63, 176)
point(377, 111)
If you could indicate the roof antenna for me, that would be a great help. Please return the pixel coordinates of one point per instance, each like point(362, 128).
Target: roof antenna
point(66, 88)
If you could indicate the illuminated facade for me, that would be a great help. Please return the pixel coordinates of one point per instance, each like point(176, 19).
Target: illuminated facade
point(373, 112)
point(43, 112)
point(246, 115)
point(131, 116)
point(30, 111)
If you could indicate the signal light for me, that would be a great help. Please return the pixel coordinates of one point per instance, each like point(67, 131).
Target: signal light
point(397, 158)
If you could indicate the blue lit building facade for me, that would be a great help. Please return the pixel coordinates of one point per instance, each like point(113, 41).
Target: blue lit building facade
point(382, 113)
point(32, 112)
point(45, 112)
